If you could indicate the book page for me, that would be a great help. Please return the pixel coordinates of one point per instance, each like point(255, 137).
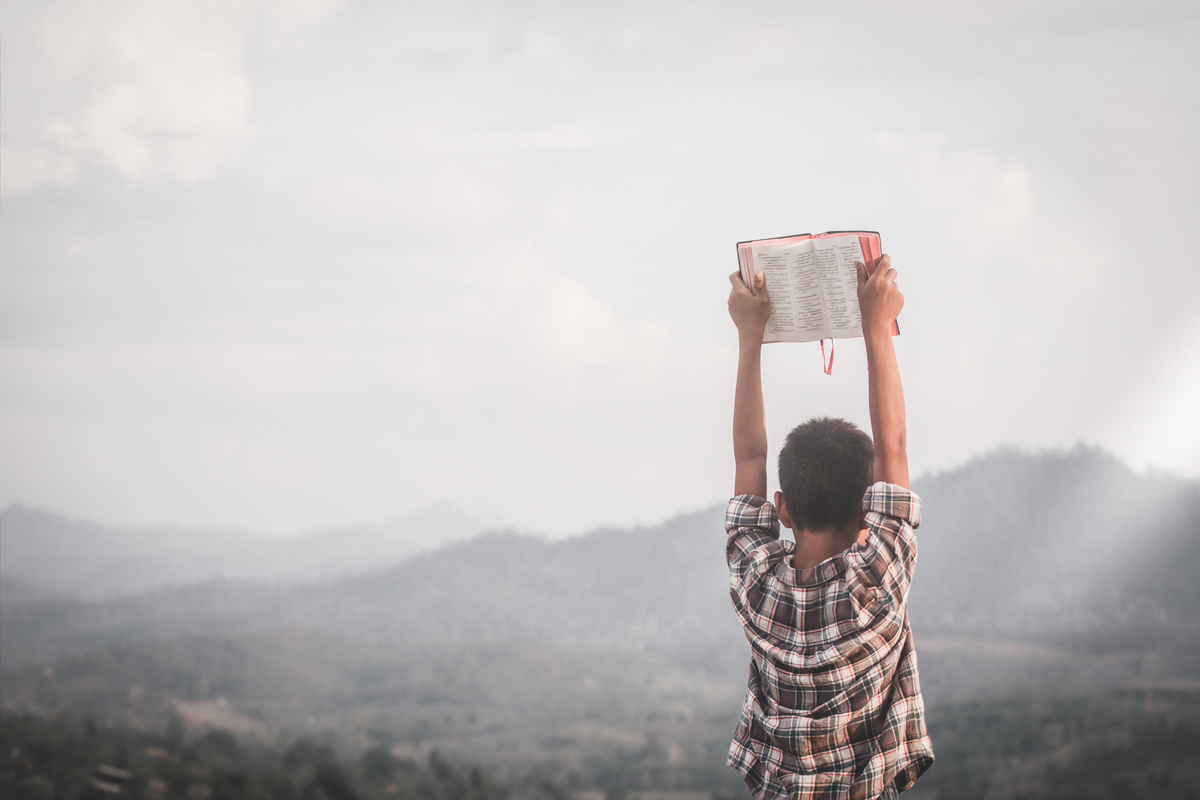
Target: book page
point(797, 302)
point(835, 257)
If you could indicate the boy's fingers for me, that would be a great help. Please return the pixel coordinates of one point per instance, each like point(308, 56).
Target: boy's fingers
point(760, 280)
point(861, 269)
point(882, 266)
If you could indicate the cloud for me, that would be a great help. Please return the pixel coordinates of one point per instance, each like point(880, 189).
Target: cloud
point(573, 325)
point(565, 137)
point(992, 192)
point(150, 90)
point(521, 329)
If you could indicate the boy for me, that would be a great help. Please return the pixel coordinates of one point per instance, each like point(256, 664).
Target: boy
point(833, 707)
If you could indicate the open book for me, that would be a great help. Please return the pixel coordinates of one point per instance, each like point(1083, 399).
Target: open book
point(812, 282)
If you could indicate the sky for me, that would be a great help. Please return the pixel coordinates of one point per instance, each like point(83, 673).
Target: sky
point(277, 265)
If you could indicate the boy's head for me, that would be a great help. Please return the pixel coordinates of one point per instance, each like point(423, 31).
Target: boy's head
point(825, 467)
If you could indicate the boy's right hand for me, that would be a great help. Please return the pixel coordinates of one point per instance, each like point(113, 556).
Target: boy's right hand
point(749, 311)
point(879, 298)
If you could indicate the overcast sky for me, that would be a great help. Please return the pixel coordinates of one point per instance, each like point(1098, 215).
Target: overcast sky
point(284, 265)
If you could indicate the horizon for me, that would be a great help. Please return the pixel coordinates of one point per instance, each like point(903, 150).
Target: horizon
point(288, 267)
point(505, 527)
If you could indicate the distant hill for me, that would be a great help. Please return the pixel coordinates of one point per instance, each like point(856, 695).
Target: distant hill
point(1011, 544)
point(1069, 544)
point(49, 554)
point(661, 586)
point(1057, 542)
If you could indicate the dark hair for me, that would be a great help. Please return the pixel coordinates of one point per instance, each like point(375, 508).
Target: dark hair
point(824, 468)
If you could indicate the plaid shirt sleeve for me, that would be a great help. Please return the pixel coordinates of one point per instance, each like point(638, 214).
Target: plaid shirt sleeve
point(751, 525)
point(892, 513)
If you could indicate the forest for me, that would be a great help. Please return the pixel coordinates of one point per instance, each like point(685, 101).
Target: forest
point(1119, 746)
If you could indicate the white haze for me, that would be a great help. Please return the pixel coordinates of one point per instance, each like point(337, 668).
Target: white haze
point(285, 266)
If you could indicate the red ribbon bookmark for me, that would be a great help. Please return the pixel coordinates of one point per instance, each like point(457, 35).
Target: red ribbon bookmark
point(827, 364)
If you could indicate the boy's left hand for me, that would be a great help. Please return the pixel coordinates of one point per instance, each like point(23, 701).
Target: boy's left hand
point(749, 312)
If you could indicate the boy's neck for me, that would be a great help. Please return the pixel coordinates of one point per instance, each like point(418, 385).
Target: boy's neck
point(813, 547)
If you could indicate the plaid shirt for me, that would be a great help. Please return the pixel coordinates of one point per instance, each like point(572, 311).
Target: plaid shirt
point(833, 707)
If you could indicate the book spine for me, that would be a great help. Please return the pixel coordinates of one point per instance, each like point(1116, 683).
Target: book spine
point(872, 249)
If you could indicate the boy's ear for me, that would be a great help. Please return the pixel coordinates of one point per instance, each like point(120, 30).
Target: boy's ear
point(785, 518)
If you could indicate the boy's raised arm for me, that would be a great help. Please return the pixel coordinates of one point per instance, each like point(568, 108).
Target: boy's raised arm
point(749, 313)
point(880, 301)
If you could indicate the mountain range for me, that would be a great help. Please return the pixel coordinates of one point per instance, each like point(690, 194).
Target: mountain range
point(1049, 546)
point(1055, 578)
point(44, 554)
